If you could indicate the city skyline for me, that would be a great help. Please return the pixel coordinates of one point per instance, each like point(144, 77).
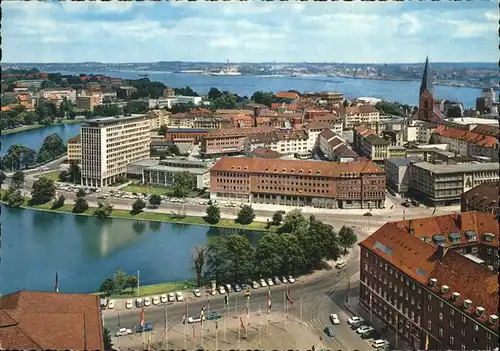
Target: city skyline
point(246, 32)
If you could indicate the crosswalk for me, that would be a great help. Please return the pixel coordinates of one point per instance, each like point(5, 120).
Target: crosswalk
point(314, 324)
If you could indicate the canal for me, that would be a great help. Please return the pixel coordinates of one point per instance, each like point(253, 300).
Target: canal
point(86, 250)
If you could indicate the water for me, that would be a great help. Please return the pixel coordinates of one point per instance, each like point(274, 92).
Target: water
point(86, 250)
point(34, 138)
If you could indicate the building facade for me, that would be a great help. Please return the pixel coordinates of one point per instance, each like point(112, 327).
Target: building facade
point(427, 291)
point(74, 149)
point(298, 183)
point(483, 197)
point(109, 144)
point(397, 174)
point(165, 173)
point(60, 93)
point(185, 135)
point(428, 107)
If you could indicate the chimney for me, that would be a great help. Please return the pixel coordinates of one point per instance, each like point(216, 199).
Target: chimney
point(455, 296)
point(412, 230)
point(467, 303)
point(441, 251)
point(433, 281)
point(493, 318)
point(479, 311)
point(444, 289)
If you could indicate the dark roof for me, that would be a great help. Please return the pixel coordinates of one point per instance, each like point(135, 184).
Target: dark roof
point(398, 162)
point(46, 320)
point(485, 194)
point(344, 151)
point(75, 139)
point(426, 79)
point(327, 134)
point(487, 129)
point(265, 153)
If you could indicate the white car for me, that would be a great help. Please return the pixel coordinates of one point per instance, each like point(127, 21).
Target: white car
point(156, 300)
point(129, 304)
point(179, 296)
point(255, 285)
point(111, 304)
point(291, 279)
point(197, 292)
point(354, 319)
point(341, 264)
point(270, 282)
point(195, 319)
point(171, 297)
point(379, 343)
point(364, 329)
point(138, 302)
point(147, 301)
point(202, 202)
point(262, 282)
point(222, 290)
point(163, 298)
point(123, 332)
point(335, 319)
point(228, 288)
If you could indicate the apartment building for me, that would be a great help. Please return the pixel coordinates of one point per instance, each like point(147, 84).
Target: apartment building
point(109, 144)
point(58, 93)
point(88, 102)
point(483, 197)
point(74, 149)
point(467, 143)
point(298, 183)
point(335, 147)
point(443, 184)
point(397, 174)
point(414, 279)
point(367, 143)
point(356, 115)
point(158, 118)
point(185, 135)
point(165, 172)
point(229, 141)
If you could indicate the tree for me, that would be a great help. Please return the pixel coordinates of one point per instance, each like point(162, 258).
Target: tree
point(213, 93)
point(293, 221)
point(245, 215)
point(136, 107)
point(107, 286)
point(119, 279)
point(213, 214)
point(138, 206)
point(162, 130)
point(268, 256)
point(183, 184)
point(226, 100)
point(454, 111)
point(17, 179)
point(264, 98)
point(292, 253)
point(15, 199)
point(3, 176)
point(103, 210)
point(277, 218)
point(216, 257)
point(18, 156)
point(155, 200)
point(198, 262)
point(8, 192)
point(106, 337)
point(347, 238)
point(52, 147)
point(63, 176)
point(346, 103)
point(131, 282)
point(75, 172)
point(58, 203)
point(240, 257)
point(43, 191)
point(80, 193)
point(81, 205)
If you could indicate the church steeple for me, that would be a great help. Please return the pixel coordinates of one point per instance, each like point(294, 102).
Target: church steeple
point(426, 79)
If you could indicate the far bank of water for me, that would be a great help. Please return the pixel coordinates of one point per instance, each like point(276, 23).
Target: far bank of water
point(86, 250)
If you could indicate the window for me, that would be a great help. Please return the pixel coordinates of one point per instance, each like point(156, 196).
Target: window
point(440, 332)
point(419, 291)
point(488, 335)
point(452, 311)
point(440, 316)
point(476, 327)
point(475, 339)
point(462, 348)
point(429, 296)
point(452, 340)
point(440, 303)
point(463, 332)
point(429, 308)
point(366, 267)
point(464, 319)
point(452, 324)
point(429, 325)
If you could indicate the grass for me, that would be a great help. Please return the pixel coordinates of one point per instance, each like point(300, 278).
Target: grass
point(36, 126)
point(150, 216)
point(144, 189)
point(52, 176)
point(154, 289)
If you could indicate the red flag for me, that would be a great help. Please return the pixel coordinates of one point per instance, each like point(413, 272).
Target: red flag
point(142, 317)
point(241, 321)
point(288, 297)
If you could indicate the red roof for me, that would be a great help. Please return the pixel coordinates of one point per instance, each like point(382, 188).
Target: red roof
point(287, 95)
point(466, 136)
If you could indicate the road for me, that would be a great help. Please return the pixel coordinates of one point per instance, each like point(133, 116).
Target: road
point(50, 166)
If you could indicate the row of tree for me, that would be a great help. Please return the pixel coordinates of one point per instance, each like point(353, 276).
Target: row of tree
point(118, 282)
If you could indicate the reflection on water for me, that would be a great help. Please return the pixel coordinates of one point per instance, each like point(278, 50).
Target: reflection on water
point(154, 226)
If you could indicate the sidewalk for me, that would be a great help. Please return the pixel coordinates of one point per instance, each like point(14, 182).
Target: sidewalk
point(355, 308)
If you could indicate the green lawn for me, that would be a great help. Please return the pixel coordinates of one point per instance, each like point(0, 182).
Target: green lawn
point(155, 289)
point(51, 175)
point(153, 190)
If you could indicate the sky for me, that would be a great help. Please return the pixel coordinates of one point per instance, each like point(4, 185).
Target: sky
point(352, 32)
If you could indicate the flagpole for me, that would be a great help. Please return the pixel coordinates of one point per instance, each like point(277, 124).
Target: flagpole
point(225, 323)
point(216, 339)
point(138, 284)
point(301, 309)
point(284, 304)
point(118, 329)
point(166, 327)
point(239, 331)
point(260, 326)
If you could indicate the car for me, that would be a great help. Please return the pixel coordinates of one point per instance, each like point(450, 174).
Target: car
point(123, 332)
point(213, 316)
point(354, 319)
point(406, 204)
point(284, 280)
point(415, 203)
point(138, 302)
point(335, 319)
point(147, 301)
point(202, 202)
point(156, 300)
point(222, 290)
point(163, 298)
point(329, 331)
point(371, 335)
point(243, 286)
point(129, 304)
point(255, 285)
point(104, 303)
point(196, 319)
point(147, 328)
point(262, 282)
point(236, 287)
point(228, 288)
point(276, 280)
point(379, 343)
point(101, 197)
point(392, 192)
point(171, 297)
point(269, 282)
point(291, 279)
point(364, 329)
point(111, 304)
point(356, 325)
point(196, 293)
point(340, 264)
point(367, 214)
point(179, 296)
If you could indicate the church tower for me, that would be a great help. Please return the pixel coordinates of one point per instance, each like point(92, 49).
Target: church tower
point(426, 97)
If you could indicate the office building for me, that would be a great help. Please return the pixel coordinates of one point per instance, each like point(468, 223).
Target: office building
point(483, 197)
point(397, 174)
point(109, 144)
point(74, 149)
point(165, 172)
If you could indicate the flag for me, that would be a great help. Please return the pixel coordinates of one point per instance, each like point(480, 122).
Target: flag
point(226, 300)
point(56, 288)
point(269, 301)
point(426, 342)
point(184, 319)
point(142, 317)
point(241, 322)
point(288, 297)
point(202, 314)
point(118, 320)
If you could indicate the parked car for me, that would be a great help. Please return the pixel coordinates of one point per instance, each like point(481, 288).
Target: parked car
point(156, 300)
point(171, 297)
point(262, 282)
point(228, 288)
point(213, 316)
point(371, 335)
point(196, 292)
point(129, 304)
point(104, 303)
point(138, 302)
point(415, 203)
point(236, 287)
point(123, 332)
point(269, 282)
point(341, 264)
point(222, 290)
point(147, 328)
point(379, 343)
point(354, 319)
point(255, 285)
point(147, 301)
point(392, 192)
point(196, 319)
point(276, 280)
point(329, 331)
point(364, 329)
point(179, 296)
point(406, 204)
point(284, 280)
point(356, 325)
point(367, 214)
point(111, 304)
point(291, 279)
point(335, 319)
point(163, 298)
point(243, 286)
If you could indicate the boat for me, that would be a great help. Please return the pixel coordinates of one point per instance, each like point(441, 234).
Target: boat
point(226, 71)
point(142, 75)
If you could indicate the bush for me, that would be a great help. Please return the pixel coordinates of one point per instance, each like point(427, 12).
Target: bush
point(58, 203)
point(81, 205)
point(138, 206)
point(246, 215)
point(213, 214)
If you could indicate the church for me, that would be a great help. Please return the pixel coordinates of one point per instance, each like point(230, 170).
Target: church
point(428, 107)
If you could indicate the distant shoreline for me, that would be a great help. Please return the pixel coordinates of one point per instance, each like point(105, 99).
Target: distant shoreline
point(36, 126)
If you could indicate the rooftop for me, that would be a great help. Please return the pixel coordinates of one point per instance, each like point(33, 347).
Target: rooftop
point(467, 136)
point(458, 168)
point(484, 194)
point(107, 120)
point(265, 153)
point(75, 139)
point(398, 162)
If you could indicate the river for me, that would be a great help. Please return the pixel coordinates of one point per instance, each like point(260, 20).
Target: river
point(86, 250)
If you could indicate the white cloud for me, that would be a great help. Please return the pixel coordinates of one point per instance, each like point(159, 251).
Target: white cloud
point(491, 16)
point(469, 29)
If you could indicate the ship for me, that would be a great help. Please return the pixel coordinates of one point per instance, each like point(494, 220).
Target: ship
point(228, 71)
point(142, 75)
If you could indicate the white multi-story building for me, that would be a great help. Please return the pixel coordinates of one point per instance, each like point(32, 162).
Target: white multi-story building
point(158, 118)
point(109, 144)
point(60, 93)
point(356, 115)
